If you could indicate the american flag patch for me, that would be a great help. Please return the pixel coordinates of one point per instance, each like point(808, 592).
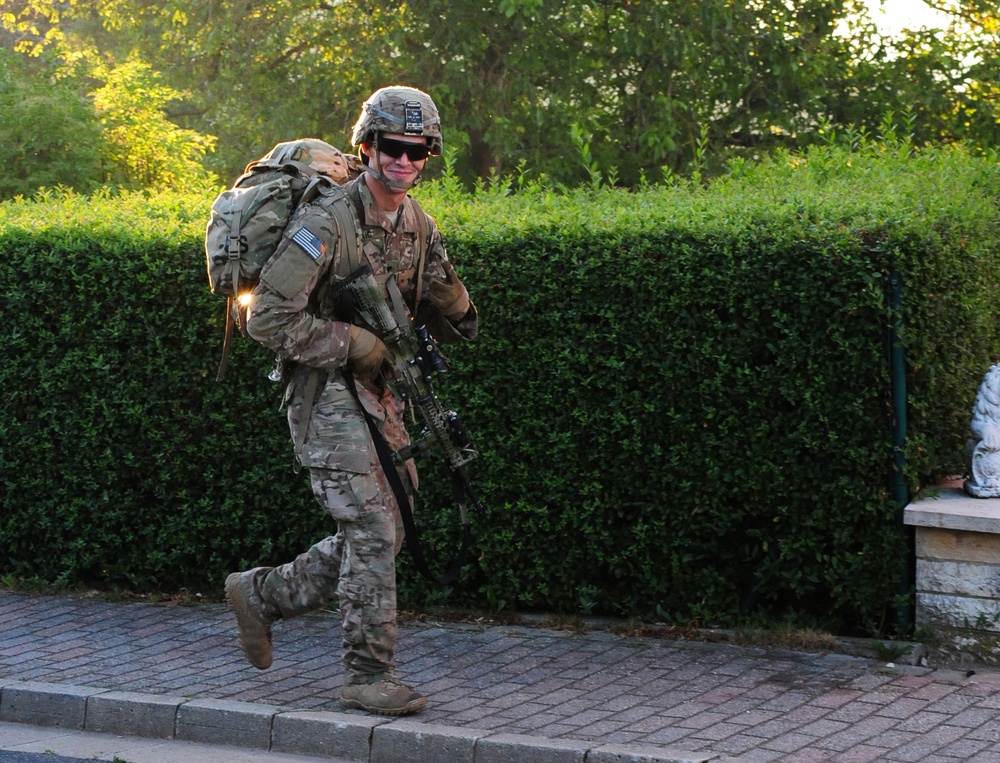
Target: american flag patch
point(309, 242)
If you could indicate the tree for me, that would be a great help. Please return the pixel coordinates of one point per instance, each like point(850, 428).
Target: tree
point(253, 73)
point(141, 148)
point(631, 89)
point(645, 81)
point(78, 118)
point(48, 135)
point(973, 45)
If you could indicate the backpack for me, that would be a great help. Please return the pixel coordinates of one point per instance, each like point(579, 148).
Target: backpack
point(248, 220)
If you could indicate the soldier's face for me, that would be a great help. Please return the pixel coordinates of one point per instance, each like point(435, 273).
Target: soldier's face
point(401, 158)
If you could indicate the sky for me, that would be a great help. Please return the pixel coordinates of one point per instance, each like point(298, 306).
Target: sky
point(891, 16)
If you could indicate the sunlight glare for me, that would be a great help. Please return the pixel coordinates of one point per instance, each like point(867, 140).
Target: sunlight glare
point(892, 16)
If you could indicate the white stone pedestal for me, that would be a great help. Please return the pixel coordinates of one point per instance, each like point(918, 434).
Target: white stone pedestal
point(958, 566)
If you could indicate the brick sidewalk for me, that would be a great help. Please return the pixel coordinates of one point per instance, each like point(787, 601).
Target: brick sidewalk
point(714, 699)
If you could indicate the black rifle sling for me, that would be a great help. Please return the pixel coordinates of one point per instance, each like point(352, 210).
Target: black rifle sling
point(454, 569)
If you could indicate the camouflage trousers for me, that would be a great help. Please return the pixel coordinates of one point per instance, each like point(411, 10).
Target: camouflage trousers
point(357, 564)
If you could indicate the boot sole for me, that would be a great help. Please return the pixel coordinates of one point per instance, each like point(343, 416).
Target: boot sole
point(414, 706)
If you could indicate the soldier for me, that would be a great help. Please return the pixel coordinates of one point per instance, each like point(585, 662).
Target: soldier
point(397, 129)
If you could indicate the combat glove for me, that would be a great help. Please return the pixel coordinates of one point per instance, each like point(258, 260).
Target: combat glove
point(367, 355)
point(449, 296)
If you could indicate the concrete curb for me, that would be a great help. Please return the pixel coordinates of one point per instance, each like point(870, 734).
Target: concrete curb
point(365, 739)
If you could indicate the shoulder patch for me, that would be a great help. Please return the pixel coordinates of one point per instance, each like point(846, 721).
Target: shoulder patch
point(309, 242)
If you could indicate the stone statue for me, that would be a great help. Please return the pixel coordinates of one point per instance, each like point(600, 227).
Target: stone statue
point(982, 451)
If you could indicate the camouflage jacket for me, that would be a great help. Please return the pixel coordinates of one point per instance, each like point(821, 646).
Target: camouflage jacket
point(286, 317)
point(289, 316)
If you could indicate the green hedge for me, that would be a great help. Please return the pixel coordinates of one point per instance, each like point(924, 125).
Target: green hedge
point(681, 395)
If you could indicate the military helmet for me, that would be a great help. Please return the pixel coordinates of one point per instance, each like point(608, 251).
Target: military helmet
point(399, 109)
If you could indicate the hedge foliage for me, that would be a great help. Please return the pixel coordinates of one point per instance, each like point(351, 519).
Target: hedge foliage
point(681, 394)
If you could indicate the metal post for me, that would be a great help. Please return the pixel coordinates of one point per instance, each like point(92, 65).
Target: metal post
point(900, 494)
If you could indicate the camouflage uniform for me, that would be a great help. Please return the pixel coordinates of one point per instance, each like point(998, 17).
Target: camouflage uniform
point(289, 315)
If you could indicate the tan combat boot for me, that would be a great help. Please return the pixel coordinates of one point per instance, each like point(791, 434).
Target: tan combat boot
point(386, 696)
point(252, 622)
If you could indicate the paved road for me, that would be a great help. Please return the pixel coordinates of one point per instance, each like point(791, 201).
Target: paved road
point(23, 743)
point(7, 756)
point(593, 692)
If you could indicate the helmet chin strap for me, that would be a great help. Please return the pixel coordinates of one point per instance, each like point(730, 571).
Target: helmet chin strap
point(391, 185)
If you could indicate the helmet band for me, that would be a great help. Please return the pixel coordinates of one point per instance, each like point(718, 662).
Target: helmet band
point(414, 124)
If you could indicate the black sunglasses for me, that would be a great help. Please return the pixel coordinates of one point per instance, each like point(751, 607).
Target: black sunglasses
point(415, 152)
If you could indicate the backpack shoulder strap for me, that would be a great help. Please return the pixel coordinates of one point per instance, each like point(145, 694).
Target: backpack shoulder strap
point(422, 246)
point(340, 207)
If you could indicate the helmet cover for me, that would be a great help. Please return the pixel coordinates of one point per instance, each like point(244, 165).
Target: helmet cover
point(403, 110)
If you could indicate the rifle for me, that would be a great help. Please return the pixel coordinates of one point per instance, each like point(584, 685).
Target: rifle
point(415, 360)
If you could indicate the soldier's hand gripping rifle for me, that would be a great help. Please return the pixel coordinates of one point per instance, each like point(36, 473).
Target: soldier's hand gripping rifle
point(415, 359)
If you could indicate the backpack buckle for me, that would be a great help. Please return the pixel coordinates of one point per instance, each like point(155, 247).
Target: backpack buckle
point(237, 246)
